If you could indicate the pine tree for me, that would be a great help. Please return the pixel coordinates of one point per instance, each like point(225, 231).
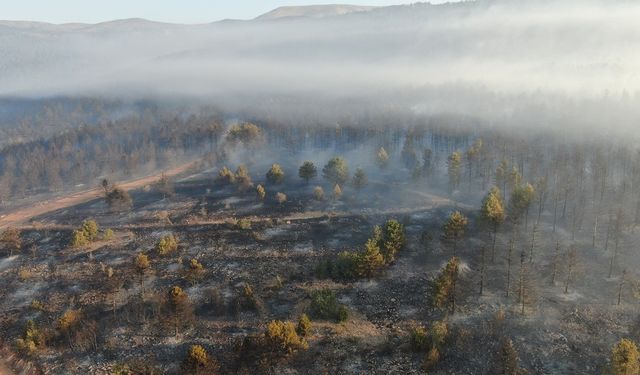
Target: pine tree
point(359, 179)
point(492, 213)
point(382, 158)
point(454, 228)
point(307, 171)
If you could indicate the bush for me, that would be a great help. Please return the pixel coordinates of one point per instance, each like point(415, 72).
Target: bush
point(324, 305)
point(31, 339)
point(260, 193)
point(198, 361)
point(282, 337)
point(78, 239)
point(167, 244)
point(11, 240)
point(305, 328)
point(318, 193)
point(118, 199)
point(90, 229)
point(281, 198)
point(419, 339)
point(244, 224)
point(226, 177)
point(108, 235)
point(431, 358)
point(195, 271)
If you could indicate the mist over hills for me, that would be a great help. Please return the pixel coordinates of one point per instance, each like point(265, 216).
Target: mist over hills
point(458, 57)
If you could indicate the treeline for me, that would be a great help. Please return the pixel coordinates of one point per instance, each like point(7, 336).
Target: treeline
point(126, 147)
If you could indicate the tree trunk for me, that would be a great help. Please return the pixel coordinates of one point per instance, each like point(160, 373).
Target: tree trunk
point(482, 271)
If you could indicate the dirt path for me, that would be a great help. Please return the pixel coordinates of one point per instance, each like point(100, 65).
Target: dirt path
point(24, 214)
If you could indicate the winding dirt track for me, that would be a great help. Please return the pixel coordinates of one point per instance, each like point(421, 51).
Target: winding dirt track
point(24, 214)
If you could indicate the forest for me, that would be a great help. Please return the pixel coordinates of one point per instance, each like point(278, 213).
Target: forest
point(380, 244)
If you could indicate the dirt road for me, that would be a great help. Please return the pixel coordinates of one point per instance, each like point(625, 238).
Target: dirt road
point(24, 214)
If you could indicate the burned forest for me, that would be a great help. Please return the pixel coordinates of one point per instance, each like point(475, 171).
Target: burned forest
point(384, 188)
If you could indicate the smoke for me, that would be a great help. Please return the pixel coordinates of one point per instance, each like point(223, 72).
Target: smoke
point(571, 62)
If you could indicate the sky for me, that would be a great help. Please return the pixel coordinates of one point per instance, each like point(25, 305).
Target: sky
point(176, 11)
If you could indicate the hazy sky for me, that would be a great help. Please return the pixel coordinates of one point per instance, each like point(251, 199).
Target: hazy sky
point(181, 11)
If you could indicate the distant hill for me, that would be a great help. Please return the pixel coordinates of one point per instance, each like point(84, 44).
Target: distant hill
point(505, 45)
point(314, 11)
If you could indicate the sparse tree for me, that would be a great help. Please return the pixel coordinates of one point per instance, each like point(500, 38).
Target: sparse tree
point(281, 198)
point(454, 166)
point(382, 158)
point(337, 192)
point(521, 198)
point(260, 193)
point(359, 179)
point(454, 228)
point(336, 171)
point(165, 187)
point(226, 177)
point(198, 362)
point(408, 154)
point(305, 327)
point(275, 175)
point(167, 244)
point(625, 358)
point(11, 240)
point(178, 307)
point(445, 284)
point(307, 171)
point(243, 179)
point(570, 265)
point(318, 193)
point(90, 229)
point(492, 213)
point(142, 265)
point(245, 133)
point(118, 198)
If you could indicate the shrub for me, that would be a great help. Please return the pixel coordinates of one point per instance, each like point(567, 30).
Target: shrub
point(625, 358)
point(108, 235)
point(11, 240)
point(198, 361)
point(243, 180)
point(37, 305)
point(337, 192)
point(118, 198)
point(244, 224)
point(31, 339)
point(90, 230)
point(142, 262)
point(281, 198)
point(260, 193)
point(225, 176)
point(324, 305)
point(419, 339)
point(431, 358)
point(247, 299)
point(24, 274)
point(282, 337)
point(195, 271)
point(318, 193)
point(79, 239)
point(342, 314)
point(167, 244)
point(305, 327)
point(443, 286)
point(439, 332)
